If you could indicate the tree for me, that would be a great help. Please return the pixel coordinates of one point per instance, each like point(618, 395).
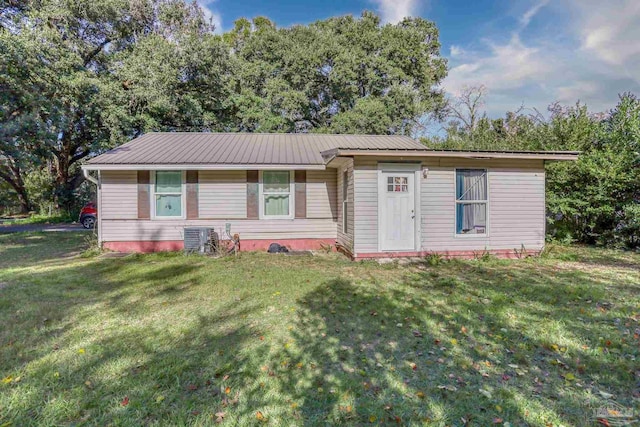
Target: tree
point(79, 77)
point(66, 90)
point(329, 75)
point(465, 109)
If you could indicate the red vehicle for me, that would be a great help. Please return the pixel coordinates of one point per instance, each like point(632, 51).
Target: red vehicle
point(88, 215)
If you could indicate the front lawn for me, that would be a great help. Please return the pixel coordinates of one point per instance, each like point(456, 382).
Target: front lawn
point(274, 340)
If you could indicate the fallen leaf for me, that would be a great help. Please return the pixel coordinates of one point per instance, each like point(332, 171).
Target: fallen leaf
point(372, 419)
point(259, 416)
point(125, 401)
point(192, 387)
point(7, 380)
point(159, 399)
point(569, 377)
point(420, 395)
point(497, 420)
point(485, 393)
point(220, 416)
point(417, 334)
point(605, 394)
point(227, 390)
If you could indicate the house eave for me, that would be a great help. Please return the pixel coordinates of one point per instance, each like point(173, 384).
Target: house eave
point(121, 167)
point(480, 155)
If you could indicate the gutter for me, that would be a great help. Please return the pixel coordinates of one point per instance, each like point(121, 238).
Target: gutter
point(269, 166)
point(557, 156)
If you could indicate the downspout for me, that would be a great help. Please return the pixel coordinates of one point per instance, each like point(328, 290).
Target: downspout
point(88, 176)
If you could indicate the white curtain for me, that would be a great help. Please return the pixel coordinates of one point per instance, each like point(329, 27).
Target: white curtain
point(472, 186)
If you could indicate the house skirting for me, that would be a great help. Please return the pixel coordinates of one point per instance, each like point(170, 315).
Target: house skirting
point(499, 253)
point(146, 246)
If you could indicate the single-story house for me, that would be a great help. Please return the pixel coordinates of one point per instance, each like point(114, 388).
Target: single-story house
point(369, 196)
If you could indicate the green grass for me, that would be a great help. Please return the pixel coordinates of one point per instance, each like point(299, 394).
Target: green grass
point(275, 340)
point(41, 219)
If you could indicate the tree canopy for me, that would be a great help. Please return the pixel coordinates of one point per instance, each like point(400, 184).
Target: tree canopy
point(79, 77)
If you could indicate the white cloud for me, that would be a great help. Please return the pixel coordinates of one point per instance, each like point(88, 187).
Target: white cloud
point(393, 11)
point(504, 67)
point(592, 55)
point(455, 51)
point(211, 14)
point(526, 18)
point(610, 30)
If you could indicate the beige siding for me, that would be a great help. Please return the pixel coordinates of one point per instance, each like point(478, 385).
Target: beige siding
point(157, 230)
point(119, 193)
point(346, 239)
point(222, 194)
point(222, 198)
point(516, 205)
point(322, 194)
point(365, 205)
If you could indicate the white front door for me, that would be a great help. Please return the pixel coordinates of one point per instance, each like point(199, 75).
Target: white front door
point(396, 194)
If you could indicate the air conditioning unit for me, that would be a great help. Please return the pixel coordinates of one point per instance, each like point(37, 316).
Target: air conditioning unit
point(200, 240)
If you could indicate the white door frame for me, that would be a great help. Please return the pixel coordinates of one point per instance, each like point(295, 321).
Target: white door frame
point(403, 168)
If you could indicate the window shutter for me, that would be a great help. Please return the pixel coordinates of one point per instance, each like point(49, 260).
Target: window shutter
point(301, 194)
point(192, 194)
point(253, 199)
point(144, 199)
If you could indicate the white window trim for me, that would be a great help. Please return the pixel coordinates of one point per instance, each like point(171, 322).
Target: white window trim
point(292, 195)
point(345, 201)
point(183, 198)
point(456, 202)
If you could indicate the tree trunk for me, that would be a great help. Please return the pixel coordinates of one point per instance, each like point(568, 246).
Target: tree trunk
point(14, 178)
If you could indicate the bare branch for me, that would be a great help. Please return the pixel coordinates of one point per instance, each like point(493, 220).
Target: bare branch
point(466, 108)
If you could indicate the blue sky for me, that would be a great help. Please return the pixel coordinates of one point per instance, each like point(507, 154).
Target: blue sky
point(525, 52)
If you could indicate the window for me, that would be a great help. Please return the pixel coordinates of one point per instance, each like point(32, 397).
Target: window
point(345, 195)
point(397, 184)
point(167, 193)
point(277, 200)
point(471, 201)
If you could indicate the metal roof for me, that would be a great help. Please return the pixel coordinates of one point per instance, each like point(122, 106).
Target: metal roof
point(200, 148)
